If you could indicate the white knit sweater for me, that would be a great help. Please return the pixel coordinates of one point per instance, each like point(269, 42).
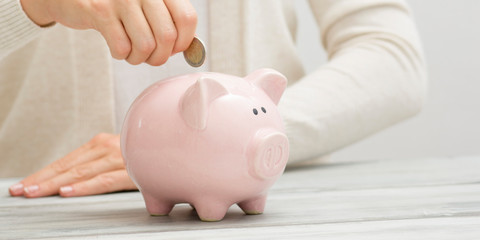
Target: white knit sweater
point(56, 83)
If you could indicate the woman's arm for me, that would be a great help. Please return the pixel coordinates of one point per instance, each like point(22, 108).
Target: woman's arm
point(16, 29)
point(375, 77)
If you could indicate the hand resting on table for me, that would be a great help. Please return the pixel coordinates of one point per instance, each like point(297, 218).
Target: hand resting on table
point(96, 167)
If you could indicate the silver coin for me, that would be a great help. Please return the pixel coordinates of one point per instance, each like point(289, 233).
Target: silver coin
point(195, 53)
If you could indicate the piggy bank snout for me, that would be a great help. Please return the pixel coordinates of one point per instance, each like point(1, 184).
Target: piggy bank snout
point(269, 155)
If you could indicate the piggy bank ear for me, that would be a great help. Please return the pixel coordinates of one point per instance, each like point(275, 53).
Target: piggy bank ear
point(271, 81)
point(196, 100)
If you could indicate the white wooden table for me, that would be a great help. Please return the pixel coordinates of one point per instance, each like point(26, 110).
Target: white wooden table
point(387, 199)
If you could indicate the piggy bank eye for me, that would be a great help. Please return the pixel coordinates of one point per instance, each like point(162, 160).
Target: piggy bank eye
point(255, 111)
point(263, 110)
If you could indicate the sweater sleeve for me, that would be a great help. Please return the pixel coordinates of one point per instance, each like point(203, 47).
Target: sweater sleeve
point(374, 78)
point(16, 29)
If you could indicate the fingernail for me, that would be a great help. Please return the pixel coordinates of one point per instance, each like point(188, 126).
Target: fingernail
point(31, 189)
point(66, 189)
point(16, 189)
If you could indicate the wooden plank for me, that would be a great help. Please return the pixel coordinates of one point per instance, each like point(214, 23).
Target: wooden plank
point(384, 173)
point(283, 209)
point(418, 229)
point(314, 201)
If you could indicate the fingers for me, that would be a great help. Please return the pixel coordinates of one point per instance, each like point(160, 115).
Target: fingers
point(185, 18)
point(76, 174)
point(78, 156)
point(163, 29)
point(96, 148)
point(139, 32)
point(147, 31)
point(103, 183)
point(116, 38)
point(173, 23)
point(100, 155)
point(105, 19)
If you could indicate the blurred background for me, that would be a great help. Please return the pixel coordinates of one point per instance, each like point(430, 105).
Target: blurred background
point(449, 122)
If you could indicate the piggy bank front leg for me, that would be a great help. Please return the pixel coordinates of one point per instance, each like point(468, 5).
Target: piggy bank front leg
point(253, 206)
point(157, 207)
point(211, 211)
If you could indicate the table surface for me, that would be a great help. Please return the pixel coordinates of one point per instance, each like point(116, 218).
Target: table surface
point(436, 198)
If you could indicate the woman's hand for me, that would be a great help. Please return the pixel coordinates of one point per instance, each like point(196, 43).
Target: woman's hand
point(94, 168)
point(136, 30)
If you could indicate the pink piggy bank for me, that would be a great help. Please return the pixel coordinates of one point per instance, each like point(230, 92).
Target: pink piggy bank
point(208, 139)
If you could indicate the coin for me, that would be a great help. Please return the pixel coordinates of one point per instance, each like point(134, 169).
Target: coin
point(195, 53)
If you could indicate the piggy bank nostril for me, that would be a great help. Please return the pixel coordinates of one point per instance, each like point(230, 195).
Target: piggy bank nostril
point(278, 154)
point(269, 158)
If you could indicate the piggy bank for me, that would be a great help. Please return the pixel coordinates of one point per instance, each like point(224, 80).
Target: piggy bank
point(208, 139)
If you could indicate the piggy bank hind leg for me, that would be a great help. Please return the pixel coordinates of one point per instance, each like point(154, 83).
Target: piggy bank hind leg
point(210, 211)
point(253, 206)
point(157, 207)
